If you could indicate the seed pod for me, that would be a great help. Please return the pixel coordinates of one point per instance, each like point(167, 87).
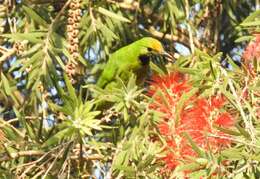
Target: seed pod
point(75, 33)
point(69, 28)
point(75, 25)
point(71, 20)
point(74, 16)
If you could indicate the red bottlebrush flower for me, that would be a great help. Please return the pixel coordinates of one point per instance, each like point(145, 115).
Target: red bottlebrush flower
point(217, 101)
point(164, 128)
point(196, 118)
point(170, 160)
point(171, 87)
point(253, 49)
point(176, 82)
point(225, 120)
point(252, 52)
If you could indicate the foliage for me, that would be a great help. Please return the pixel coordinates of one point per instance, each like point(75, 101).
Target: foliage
point(197, 117)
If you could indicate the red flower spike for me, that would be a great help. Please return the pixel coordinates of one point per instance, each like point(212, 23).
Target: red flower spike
point(164, 128)
point(196, 119)
point(218, 101)
point(224, 120)
point(252, 52)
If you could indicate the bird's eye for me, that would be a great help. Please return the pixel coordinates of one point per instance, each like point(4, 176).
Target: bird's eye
point(149, 49)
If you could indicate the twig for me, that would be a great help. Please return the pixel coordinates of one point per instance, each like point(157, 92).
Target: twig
point(81, 155)
point(38, 174)
point(88, 158)
point(23, 175)
point(187, 11)
point(257, 4)
point(29, 153)
point(50, 28)
point(6, 55)
point(21, 154)
point(133, 6)
point(159, 34)
point(45, 1)
point(60, 13)
point(93, 20)
point(233, 139)
point(4, 123)
point(170, 37)
point(3, 49)
point(248, 123)
point(182, 38)
point(52, 164)
point(234, 173)
point(12, 120)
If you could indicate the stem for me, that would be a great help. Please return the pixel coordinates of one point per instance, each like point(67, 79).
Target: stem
point(187, 11)
point(81, 162)
point(257, 4)
point(248, 122)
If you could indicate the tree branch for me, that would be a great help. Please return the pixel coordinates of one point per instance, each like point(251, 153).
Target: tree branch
point(182, 37)
point(21, 154)
point(30, 153)
point(129, 6)
point(170, 37)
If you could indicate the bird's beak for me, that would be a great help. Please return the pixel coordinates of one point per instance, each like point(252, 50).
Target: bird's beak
point(168, 56)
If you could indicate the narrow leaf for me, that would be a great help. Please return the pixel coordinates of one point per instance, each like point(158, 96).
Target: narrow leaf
point(35, 16)
point(112, 14)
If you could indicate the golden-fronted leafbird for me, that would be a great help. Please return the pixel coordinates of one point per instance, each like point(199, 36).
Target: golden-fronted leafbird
point(133, 58)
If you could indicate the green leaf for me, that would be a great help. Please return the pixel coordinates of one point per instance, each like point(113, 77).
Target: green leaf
point(58, 137)
point(243, 131)
point(9, 133)
point(31, 51)
point(194, 146)
point(33, 37)
point(6, 84)
point(232, 154)
point(227, 131)
point(35, 16)
point(119, 159)
point(33, 61)
point(30, 130)
point(106, 31)
point(71, 90)
point(146, 162)
point(244, 38)
point(112, 14)
point(252, 17)
point(253, 23)
point(189, 167)
point(182, 101)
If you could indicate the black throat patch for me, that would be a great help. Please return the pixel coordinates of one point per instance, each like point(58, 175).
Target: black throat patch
point(144, 59)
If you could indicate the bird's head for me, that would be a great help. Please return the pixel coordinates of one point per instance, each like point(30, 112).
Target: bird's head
point(151, 46)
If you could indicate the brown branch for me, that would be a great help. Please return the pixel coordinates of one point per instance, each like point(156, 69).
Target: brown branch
point(169, 37)
point(182, 37)
point(87, 158)
point(3, 49)
point(21, 154)
point(45, 1)
point(30, 153)
point(129, 6)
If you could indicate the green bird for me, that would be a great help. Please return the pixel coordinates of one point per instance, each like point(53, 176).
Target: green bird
point(133, 58)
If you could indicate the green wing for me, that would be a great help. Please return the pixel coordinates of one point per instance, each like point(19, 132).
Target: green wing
point(108, 74)
point(121, 63)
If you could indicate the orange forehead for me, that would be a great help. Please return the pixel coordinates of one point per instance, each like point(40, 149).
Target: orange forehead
point(157, 46)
